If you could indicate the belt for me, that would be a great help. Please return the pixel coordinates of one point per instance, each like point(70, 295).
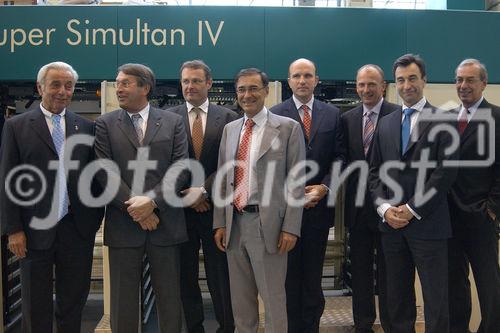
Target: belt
point(249, 209)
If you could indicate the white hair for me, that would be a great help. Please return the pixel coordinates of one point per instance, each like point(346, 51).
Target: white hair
point(483, 73)
point(58, 65)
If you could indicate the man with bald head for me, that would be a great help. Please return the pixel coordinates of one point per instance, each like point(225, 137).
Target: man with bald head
point(474, 203)
point(359, 125)
point(324, 145)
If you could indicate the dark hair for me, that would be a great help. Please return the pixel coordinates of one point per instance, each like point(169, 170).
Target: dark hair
point(144, 75)
point(197, 64)
point(252, 71)
point(408, 59)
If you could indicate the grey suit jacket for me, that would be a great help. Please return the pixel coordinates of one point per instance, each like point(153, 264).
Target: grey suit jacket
point(167, 142)
point(282, 144)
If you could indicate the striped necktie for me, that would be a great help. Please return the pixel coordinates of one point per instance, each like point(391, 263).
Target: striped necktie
point(368, 131)
point(62, 191)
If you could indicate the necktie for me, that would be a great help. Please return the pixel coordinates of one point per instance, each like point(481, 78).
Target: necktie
point(406, 129)
point(137, 121)
point(306, 120)
point(368, 130)
point(241, 174)
point(462, 121)
point(62, 191)
point(197, 133)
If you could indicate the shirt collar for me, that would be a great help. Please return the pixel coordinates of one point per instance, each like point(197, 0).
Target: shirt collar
point(144, 113)
point(203, 107)
point(419, 106)
point(473, 108)
point(298, 104)
point(49, 114)
point(260, 118)
point(375, 109)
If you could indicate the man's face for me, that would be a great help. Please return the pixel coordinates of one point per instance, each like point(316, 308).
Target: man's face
point(410, 84)
point(251, 94)
point(131, 96)
point(302, 80)
point(370, 86)
point(195, 86)
point(57, 90)
point(469, 85)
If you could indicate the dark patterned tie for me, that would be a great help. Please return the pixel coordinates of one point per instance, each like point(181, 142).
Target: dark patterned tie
point(137, 121)
point(306, 120)
point(368, 131)
point(197, 133)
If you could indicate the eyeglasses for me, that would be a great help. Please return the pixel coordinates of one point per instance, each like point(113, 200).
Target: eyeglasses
point(250, 90)
point(468, 80)
point(124, 84)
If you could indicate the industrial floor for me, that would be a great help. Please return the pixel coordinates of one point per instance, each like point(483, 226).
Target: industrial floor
point(337, 317)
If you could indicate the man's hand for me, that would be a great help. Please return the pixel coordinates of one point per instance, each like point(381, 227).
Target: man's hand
point(286, 242)
point(192, 196)
point(491, 214)
point(202, 207)
point(314, 193)
point(392, 216)
point(220, 238)
point(405, 213)
point(139, 207)
point(17, 244)
point(150, 223)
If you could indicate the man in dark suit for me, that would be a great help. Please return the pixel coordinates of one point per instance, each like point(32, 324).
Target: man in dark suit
point(2, 121)
point(362, 221)
point(56, 228)
point(142, 218)
point(410, 197)
point(324, 145)
point(475, 207)
point(204, 123)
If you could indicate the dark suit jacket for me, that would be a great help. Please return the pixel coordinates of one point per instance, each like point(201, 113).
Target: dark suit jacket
point(217, 118)
point(2, 120)
point(352, 122)
point(116, 140)
point(435, 219)
point(324, 147)
point(27, 140)
point(478, 188)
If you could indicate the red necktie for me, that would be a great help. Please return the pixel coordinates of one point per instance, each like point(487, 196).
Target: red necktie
point(462, 121)
point(306, 120)
point(241, 173)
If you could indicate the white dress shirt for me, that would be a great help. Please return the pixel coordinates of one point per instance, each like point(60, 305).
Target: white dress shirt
point(260, 120)
point(472, 109)
point(48, 119)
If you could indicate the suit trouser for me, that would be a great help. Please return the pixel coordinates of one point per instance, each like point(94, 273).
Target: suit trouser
point(430, 257)
point(125, 267)
point(363, 241)
point(474, 241)
point(199, 227)
point(71, 255)
point(305, 299)
point(253, 271)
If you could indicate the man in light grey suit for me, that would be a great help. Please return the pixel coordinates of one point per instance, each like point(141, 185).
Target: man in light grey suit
point(262, 222)
point(137, 223)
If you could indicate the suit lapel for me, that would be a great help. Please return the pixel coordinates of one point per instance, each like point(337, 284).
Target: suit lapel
point(472, 125)
point(358, 130)
point(211, 130)
point(39, 125)
point(126, 126)
point(72, 124)
point(396, 135)
point(317, 116)
point(154, 124)
point(233, 138)
point(421, 125)
point(271, 132)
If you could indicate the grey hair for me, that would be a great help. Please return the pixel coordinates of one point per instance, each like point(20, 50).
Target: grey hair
point(483, 73)
point(58, 65)
point(372, 66)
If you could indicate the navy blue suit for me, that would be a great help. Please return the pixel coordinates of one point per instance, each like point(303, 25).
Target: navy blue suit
point(422, 243)
point(305, 300)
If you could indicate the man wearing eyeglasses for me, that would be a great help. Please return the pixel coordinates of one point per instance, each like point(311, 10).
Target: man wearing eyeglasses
point(204, 123)
point(261, 222)
point(322, 134)
point(141, 220)
point(474, 203)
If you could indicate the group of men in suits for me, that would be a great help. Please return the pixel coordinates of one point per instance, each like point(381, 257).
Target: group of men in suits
point(261, 212)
